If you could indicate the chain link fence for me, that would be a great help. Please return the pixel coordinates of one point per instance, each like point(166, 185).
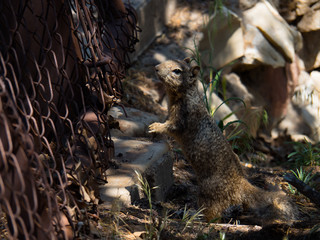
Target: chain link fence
point(61, 62)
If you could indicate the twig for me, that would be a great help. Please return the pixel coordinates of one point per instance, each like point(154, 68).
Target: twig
point(303, 188)
point(240, 228)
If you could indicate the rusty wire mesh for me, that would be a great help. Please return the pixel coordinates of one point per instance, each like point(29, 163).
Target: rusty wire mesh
point(61, 62)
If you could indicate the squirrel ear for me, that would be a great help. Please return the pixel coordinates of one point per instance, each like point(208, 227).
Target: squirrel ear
point(187, 60)
point(195, 70)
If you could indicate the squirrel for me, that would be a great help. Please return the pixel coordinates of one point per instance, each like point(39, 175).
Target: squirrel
point(221, 179)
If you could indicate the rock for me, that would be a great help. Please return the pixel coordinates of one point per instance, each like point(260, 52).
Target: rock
point(235, 88)
point(308, 101)
point(303, 6)
point(287, 9)
point(248, 114)
point(303, 90)
point(272, 88)
point(236, 5)
point(315, 76)
point(160, 175)
point(162, 53)
point(294, 124)
point(274, 28)
point(214, 103)
point(144, 157)
point(222, 39)
point(258, 35)
point(301, 138)
point(223, 111)
point(310, 21)
point(153, 15)
point(311, 116)
point(258, 50)
point(135, 124)
point(310, 53)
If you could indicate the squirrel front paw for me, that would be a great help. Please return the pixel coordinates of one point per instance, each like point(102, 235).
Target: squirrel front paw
point(156, 127)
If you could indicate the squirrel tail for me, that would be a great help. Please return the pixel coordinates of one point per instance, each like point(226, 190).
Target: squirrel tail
point(271, 207)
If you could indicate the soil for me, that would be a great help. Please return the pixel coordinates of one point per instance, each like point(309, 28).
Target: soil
point(178, 217)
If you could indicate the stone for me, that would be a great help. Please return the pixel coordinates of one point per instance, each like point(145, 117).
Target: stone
point(256, 36)
point(310, 21)
point(235, 88)
point(274, 28)
point(153, 15)
point(214, 103)
point(160, 175)
point(311, 116)
point(258, 50)
point(315, 76)
point(236, 5)
point(303, 6)
point(310, 53)
point(222, 39)
point(135, 124)
point(162, 53)
point(246, 111)
point(272, 88)
point(144, 157)
point(287, 9)
point(308, 101)
point(294, 124)
point(223, 111)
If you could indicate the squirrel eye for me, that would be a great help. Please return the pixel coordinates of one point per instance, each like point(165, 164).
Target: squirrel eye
point(177, 71)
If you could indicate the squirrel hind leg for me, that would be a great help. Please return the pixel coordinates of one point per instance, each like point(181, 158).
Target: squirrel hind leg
point(219, 209)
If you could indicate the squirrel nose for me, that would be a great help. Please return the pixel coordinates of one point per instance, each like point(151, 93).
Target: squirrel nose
point(156, 68)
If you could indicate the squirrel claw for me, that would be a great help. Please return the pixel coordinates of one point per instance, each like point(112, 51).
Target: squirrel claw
point(154, 127)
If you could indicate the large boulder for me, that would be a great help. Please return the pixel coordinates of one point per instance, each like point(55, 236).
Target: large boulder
point(308, 100)
point(309, 25)
point(310, 20)
point(131, 122)
point(272, 88)
point(258, 50)
point(310, 54)
point(255, 36)
point(274, 28)
point(223, 40)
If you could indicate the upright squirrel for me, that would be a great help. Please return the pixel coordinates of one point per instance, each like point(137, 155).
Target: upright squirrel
point(219, 173)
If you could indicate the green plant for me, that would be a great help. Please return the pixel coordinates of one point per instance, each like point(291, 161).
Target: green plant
point(305, 154)
point(111, 223)
point(222, 236)
point(210, 86)
point(202, 235)
point(212, 82)
point(292, 190)
point(151, 229)
point(258, 157)
point(314, 230)
point(303, 175)
point(188, 218)
point(209, 76)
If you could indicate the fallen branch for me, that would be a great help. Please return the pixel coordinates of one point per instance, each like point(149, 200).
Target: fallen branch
point(233, 227)
point(303, 188)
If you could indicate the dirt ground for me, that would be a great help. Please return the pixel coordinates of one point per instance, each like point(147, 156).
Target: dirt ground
point(173, 218)
point(178, 217)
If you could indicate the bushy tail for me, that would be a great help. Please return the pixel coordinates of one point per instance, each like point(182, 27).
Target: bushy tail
point(269, 207)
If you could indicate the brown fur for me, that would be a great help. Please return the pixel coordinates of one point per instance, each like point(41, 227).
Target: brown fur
point(220, 176)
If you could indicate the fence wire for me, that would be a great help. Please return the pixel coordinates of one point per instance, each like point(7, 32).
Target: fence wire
point(61, 62)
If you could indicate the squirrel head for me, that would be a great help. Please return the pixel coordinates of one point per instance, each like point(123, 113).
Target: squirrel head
point(177, 75)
